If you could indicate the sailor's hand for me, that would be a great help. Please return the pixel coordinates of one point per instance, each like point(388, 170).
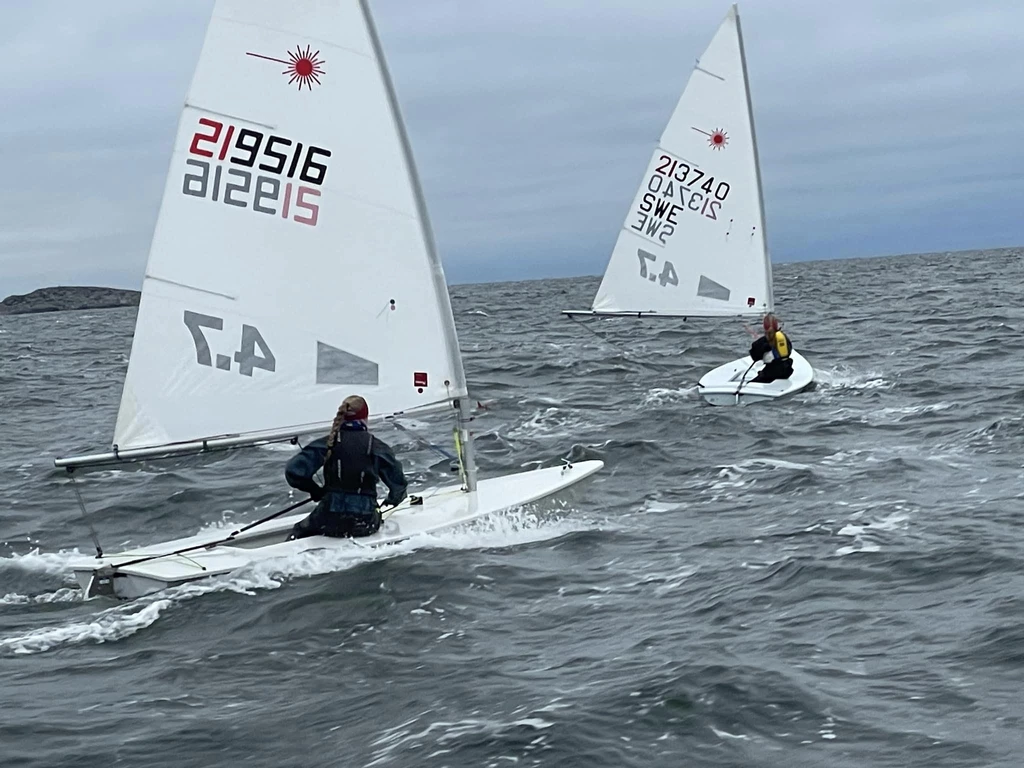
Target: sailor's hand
point(316, 493)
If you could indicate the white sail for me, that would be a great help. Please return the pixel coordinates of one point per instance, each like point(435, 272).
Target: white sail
point(292, 262)
point(693, 242)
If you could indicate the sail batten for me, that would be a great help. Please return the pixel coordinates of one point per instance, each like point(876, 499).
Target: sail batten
point(693, 243)
point(292, 263)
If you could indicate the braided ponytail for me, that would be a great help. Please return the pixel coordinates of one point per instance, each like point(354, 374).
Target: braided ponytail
point(339, 418)
point(352, 408)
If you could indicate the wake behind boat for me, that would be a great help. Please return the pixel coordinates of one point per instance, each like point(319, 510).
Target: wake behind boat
point(292, 265)
point(694, 241)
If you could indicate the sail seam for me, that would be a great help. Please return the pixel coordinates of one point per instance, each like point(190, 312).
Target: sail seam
point(283, 31)
point(228, 115)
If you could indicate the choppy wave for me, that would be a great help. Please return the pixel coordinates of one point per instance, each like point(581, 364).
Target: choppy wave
point(829, 580)
point(510, 529)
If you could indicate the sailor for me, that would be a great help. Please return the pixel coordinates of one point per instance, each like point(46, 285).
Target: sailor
point(774, 348)
point(353, 461)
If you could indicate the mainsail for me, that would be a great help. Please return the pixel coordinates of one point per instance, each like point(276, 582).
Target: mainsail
point(693, 242)
point(292, 262)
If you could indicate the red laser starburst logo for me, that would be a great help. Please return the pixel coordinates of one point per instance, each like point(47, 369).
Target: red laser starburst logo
point(717, 139)
point(302, 66)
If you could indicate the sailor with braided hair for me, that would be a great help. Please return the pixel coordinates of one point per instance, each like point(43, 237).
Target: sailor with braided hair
point(353, 461)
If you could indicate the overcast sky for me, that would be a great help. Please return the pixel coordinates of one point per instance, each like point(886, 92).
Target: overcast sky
point(883, 127)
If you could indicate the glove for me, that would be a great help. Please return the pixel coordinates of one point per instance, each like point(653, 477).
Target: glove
point(316, 493)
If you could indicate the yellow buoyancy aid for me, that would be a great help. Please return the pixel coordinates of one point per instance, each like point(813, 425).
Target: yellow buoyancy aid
point(781, 345)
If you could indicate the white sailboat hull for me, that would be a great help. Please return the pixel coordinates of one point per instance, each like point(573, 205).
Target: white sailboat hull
point(441, 508)
point(730, 384)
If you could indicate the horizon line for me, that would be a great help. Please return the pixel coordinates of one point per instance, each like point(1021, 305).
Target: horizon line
point(572, 277)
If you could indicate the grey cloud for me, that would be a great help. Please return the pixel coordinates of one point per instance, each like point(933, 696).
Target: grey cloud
point(882, 126)
point(867, 114)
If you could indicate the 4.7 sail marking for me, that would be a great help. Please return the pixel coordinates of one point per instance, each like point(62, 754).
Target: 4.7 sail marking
point(246, 356)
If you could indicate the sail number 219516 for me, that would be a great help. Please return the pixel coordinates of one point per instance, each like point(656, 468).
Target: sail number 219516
point(222, 167)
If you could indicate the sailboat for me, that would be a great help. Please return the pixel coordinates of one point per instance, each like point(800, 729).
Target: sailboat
point(292, 264)
point(693, 243)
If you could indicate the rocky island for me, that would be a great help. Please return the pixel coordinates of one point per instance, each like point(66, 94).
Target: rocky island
point(68, 297)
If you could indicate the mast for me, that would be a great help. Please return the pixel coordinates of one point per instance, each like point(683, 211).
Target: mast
point(757, 161)
point(437, 270)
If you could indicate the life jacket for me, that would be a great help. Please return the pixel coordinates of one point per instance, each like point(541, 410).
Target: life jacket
point(349, 464)
point(780, 349)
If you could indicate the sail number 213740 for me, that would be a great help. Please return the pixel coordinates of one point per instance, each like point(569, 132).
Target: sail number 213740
point(674, 188)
